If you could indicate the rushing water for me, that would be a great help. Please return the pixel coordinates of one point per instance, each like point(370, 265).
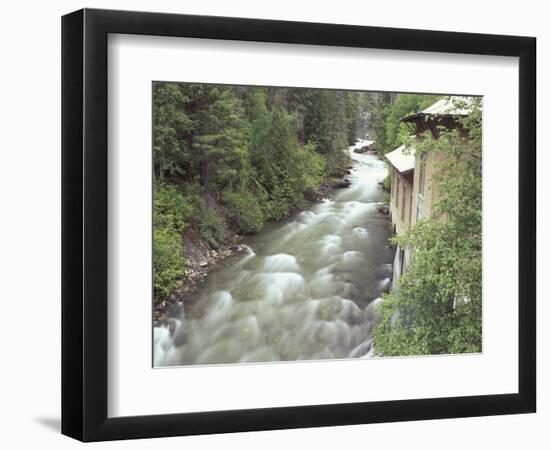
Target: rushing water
point(307, 289)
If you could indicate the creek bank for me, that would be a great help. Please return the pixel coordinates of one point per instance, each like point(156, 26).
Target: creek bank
point(324, 192)
point(201, 260)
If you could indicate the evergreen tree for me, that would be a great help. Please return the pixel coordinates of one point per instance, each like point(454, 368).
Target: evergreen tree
point(278, 156)
point(218, 141)
point(353, 113)
point(171, 123)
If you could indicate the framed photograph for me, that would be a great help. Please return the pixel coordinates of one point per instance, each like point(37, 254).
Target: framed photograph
point(273, 224)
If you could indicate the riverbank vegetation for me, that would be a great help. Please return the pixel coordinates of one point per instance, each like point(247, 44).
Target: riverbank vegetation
point(385, 112)
point(227, 159)
point(436, 308)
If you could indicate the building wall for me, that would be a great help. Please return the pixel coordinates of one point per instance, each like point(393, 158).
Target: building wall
point(401, 208)
point(418, 204)
point(401, 217)
point(424, 199)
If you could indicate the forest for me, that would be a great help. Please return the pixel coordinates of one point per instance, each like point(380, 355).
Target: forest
point(227, 159)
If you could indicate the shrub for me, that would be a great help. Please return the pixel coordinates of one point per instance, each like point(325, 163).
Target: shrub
point(387, 181)
point(314, 169)
point(171, 208)
point(171, 212)
point(244, 211)
point(168, 261)
point(212, 227)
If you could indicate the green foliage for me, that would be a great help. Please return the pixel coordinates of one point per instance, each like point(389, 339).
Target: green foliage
point(244, 211)
point(379, 107)
point(220, 139)
point(405, 104)
point(284, 169)
point(318, 108)
point(437, 306)
point(313, 168)
point(353, 109)
point(171, 212)
point(446, 271)
point(168, 261)
point(387, 110)
point(329, 122)
point(199, 129)
point(212, 227)
point(337, 159)
point(388, 181)
point(170, 207)
point(171, 122)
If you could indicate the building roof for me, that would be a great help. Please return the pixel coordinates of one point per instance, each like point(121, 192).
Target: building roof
point(402, 158)
point(454, 106)
point(449, 106)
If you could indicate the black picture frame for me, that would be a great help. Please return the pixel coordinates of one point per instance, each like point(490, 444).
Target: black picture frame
point(84, 224)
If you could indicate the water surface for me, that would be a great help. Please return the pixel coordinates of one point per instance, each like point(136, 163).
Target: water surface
point(306, 290)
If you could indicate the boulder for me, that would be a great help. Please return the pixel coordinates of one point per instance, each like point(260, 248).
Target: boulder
point(341, 184)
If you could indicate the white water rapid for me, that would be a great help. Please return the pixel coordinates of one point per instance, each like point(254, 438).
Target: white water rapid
point(307, 289)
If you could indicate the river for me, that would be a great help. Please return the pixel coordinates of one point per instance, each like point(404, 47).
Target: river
point(307, 289)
